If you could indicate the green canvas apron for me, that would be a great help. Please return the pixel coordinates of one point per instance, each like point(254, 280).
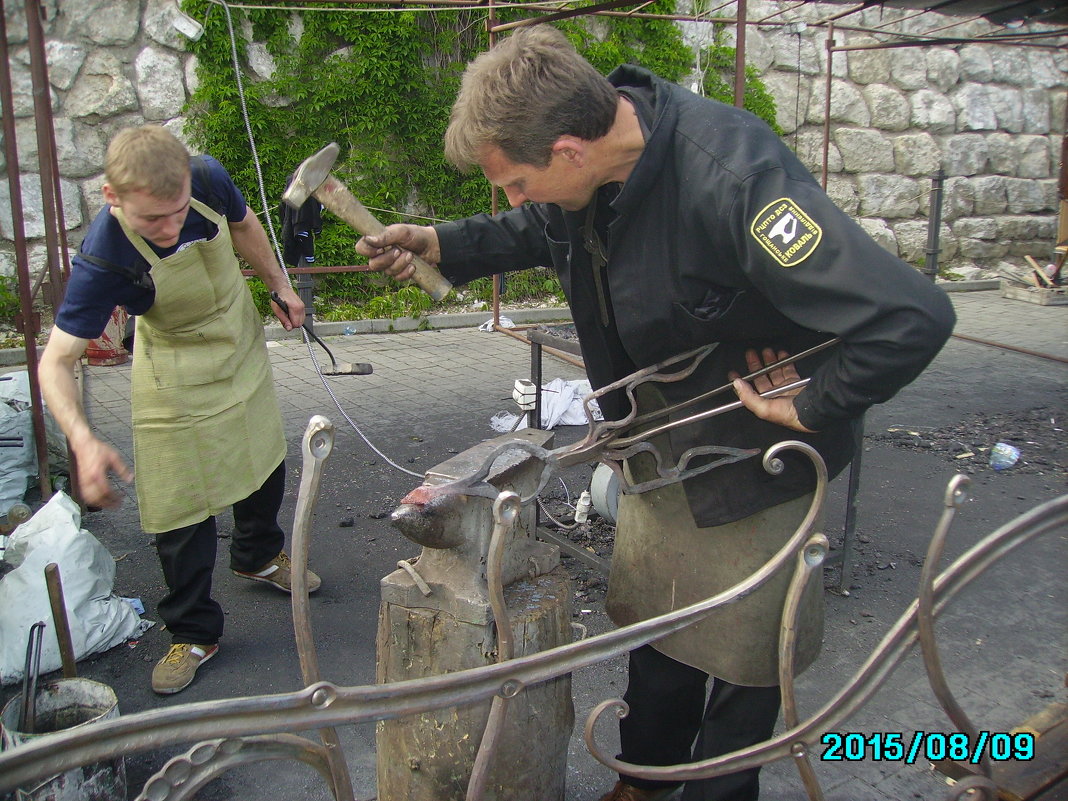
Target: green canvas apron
point(206, 425)
point(662, 561)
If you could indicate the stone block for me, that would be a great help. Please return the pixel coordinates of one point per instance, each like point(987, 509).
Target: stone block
point(916, 154)
point(888, 196)
point(889, 108)
point(1010, 65)
point(33, 206)
point(102, 89)
point(159, 83)
point(64, 60)
point(808, 146)
point(1034, 157)
point(1037, 107)
point(108, 23)
point(943, 67)
point(907, 70)
point(975, 63)
point(975, 108)
point(1025, 195)
point(1001, 153)
point(881, 232)
point(1007, 102)
point(958, 198)
point(867, 66)
point(976, 228)
point(990, 194)
point(843, 191)
point(964, 154)
point(933, 111)
point(864, 150)
point(982, 250)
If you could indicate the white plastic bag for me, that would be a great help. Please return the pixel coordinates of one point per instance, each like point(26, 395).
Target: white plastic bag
point(98, 618)
point(18, 448)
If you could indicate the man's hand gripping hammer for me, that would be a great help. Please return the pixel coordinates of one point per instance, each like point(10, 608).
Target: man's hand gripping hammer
point(314, 179)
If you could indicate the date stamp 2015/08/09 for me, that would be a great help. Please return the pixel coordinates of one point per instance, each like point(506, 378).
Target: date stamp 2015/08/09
point(928, 745)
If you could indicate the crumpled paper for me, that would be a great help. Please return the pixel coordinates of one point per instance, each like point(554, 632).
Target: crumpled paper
point(561, 405)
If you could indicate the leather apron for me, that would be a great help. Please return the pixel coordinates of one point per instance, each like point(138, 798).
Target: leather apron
point(207, 429)
point(662, 561)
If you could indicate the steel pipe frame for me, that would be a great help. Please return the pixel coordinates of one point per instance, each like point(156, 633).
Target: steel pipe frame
point(52, 209)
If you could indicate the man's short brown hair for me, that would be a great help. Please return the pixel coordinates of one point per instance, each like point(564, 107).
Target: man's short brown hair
point(148, 159)
point(525, 93)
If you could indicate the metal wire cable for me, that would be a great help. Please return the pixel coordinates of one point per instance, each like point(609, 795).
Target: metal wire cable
point(274, 240)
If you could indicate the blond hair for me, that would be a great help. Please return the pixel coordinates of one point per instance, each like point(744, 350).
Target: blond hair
point(525, 93)
point(148, 159)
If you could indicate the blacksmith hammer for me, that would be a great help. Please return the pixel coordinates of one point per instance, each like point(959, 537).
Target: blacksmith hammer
point(314, 179)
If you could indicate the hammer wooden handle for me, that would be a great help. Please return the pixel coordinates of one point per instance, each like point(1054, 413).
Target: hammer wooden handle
point(336, 196)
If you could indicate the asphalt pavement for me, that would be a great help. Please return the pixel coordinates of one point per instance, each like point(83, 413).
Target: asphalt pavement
point(433, 394)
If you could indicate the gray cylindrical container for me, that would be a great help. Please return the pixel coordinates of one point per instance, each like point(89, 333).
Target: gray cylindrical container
point(63, 705)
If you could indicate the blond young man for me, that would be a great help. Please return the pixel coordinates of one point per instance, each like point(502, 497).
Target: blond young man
point(206, 424)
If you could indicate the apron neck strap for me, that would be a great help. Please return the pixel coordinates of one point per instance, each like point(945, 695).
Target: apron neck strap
point(142, 246)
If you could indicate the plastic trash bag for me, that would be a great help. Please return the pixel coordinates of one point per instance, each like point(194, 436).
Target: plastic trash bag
point(98, 618)
point(18, 448)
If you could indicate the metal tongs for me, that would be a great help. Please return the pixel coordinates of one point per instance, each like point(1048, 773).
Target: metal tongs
point(614, 441)
point(28, 709)
point(336, 367)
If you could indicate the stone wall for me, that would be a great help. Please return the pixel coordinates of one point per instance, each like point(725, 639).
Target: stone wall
point(991, 116)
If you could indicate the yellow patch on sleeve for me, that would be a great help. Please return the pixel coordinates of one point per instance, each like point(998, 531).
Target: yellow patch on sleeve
point(786, 232)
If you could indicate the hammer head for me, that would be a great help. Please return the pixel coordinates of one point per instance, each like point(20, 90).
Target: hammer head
point(310, 176)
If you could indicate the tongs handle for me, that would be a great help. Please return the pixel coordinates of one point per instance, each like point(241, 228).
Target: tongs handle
point(28, 711)
point(361, 368)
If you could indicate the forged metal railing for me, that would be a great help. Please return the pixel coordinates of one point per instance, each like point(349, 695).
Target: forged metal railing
point(240, 731)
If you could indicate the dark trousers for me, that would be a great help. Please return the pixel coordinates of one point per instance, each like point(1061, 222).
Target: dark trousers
point(187, 556)
point(666, 700)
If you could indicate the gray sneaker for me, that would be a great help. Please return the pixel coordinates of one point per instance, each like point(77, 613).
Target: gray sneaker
point(278, 573)
point(176, 670)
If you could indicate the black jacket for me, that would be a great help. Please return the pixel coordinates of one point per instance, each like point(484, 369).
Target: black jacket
point(721, 235)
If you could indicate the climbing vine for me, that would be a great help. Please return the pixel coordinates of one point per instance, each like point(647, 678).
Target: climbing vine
point(379, 83)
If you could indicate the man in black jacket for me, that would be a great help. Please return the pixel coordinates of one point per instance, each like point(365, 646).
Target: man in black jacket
point(674, 222)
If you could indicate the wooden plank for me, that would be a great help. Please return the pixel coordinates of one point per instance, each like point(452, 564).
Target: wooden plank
point(1037, 778)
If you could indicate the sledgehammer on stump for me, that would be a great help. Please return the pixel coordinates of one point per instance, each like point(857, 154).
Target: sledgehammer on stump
point(314, 179)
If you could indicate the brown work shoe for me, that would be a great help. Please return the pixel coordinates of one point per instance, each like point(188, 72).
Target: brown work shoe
point(278, 574)
point(176, 670)
point(627, 792)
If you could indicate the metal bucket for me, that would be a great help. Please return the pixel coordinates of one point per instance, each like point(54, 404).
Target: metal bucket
point(63, 705)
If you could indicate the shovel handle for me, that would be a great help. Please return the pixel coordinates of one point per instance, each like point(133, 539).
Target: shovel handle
point(59, 619)
point(336, 196)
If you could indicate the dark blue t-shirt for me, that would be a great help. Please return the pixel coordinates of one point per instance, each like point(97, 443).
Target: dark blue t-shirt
point(94, 291)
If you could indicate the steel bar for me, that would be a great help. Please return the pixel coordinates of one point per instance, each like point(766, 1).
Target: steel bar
point(54, 582)
point(505, 513)
point(955, 494)
point(316, 447)
point(809, 561)
point(181, 777)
